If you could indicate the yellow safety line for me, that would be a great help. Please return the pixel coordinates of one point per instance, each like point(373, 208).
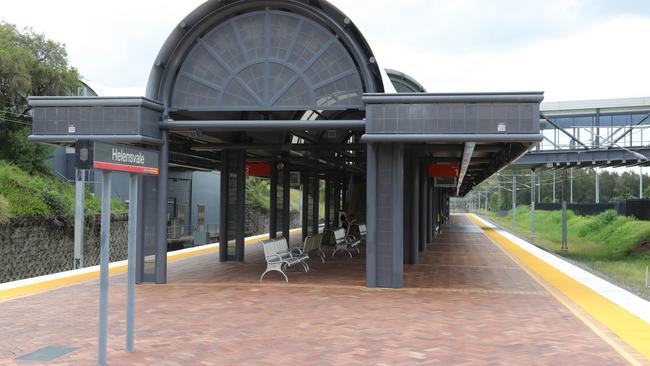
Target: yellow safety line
point(53, 284)
point(631, 329)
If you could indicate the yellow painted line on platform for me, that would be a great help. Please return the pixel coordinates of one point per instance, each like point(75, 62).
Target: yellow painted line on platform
point(52, 284)
point(632, 330)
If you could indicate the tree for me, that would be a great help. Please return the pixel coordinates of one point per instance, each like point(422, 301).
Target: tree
point(30, 65)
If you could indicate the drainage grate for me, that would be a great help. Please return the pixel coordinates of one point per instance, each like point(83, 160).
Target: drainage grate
point(46, 354)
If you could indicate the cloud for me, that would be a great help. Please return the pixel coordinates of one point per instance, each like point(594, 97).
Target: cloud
point(572, 49)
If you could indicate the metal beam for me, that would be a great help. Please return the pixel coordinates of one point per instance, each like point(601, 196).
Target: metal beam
point(628, 131)
point(278, 147)
point(264, 125)
point(414, 98)
point(451, 137)
point(565, 132)
point(467, 157)
point(124, 139)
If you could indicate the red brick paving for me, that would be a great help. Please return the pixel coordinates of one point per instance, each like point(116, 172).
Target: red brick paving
point(466, 304)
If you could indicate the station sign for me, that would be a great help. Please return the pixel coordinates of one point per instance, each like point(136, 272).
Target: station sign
point(129, 159)
point(443, 170)
point(262, 170)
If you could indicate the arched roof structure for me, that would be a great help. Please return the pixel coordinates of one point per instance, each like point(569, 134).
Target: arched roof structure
point(404, 83)
point(265, 55)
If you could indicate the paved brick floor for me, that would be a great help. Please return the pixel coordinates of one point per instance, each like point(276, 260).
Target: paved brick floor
point(467, 303)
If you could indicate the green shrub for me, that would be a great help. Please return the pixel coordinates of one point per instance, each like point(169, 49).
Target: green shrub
point(4, 209)
point(39, 195)
point(596, 223)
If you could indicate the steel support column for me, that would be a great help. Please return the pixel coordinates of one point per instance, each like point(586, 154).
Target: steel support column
point(431, 210)
point(565, 246)
point(104, 252)
point(539, 187)
point(286, 196)
point(554, 186)
point(223, 207)
point(422, 242)
point(597, 186)
point(315, 203)
point(79, 206)
point(514, 199)
point(384, 266)
point(532, 201)
point(371, 216)
point(337, 201)
point(131, 260)
point(273, 202)
point(571, 186)
point(240, 211)
point(640, 182)
point(161, 237)
point(139, 274)
point(328, 203)
point(305, 204)
point(407, 211)
point(415, 211)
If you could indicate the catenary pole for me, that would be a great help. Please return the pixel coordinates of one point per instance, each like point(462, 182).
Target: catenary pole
point(514, 199)
point(532, 201)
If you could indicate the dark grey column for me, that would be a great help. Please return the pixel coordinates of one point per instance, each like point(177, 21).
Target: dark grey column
point(424, 198)
point(431, 211)
point(139, 229)
point(371, 216)
point(286, 195)
point(328, 201)
point(273, 214)
point(384, 266)
point(315, 203)
point(344, 193)
point(415, 211)
point(161, 237)
point(139, 274)
point(337, 201)
point(305, 204)
point(223, 207)
point(240, 212)
point(408, 203)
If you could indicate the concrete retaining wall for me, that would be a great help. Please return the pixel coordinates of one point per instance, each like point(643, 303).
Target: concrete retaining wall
point(31, 247)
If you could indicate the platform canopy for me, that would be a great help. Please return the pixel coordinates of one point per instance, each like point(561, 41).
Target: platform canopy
point(295, 85)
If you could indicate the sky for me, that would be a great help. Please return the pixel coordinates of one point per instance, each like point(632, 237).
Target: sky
point(571, 49)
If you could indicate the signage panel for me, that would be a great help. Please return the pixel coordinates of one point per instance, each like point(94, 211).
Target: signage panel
point(262, 170)
point(443, 170)
point(99, 155)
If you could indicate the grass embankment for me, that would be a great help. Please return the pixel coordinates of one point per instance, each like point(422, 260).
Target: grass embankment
point(24, 195)
point(606, 243)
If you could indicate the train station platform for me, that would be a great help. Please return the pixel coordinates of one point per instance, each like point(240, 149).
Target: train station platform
point(469, 302)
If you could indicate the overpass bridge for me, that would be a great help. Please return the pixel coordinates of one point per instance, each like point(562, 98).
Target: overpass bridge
point(593, 133)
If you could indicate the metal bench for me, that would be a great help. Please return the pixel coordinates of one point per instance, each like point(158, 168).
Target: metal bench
point(344, 242)
point(363, 231)
point(312, 245)
point(278, 257)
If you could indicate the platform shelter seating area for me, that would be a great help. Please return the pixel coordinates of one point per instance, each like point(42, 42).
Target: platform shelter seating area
point(311, 245)
point(345, 242)
point(280, 258)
